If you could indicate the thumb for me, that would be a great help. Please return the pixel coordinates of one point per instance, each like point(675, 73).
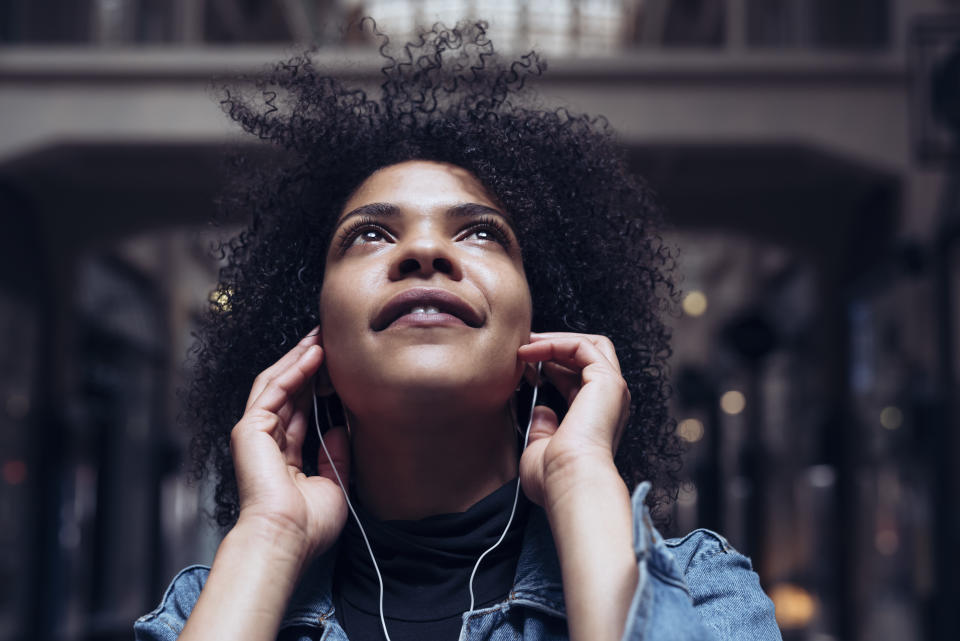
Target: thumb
point(543, 426)
point(338, 445)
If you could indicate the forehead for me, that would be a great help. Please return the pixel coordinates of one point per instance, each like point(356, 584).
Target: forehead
point(420, 184)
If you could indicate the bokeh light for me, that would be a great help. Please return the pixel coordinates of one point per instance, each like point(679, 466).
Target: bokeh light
point(695, 303)
point(733, 402)
point(690, 430)
point(891, 417)
point(795, 607)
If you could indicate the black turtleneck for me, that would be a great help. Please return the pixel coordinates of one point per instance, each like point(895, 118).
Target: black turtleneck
point(426, 567)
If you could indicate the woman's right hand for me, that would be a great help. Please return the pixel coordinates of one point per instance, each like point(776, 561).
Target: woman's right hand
point(276, 497)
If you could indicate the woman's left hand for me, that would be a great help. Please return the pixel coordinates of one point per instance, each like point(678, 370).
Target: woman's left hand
point(568, 470)
point(561, 457)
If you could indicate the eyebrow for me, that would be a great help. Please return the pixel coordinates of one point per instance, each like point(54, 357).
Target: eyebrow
point(461, 210)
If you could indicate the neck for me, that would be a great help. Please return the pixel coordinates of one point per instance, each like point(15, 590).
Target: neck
point(435, 462)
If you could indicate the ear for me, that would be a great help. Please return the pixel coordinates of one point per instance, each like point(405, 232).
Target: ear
point(321, 382)
point(531, 375)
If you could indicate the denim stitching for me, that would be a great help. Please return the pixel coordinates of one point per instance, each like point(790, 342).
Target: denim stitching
point(722, 543)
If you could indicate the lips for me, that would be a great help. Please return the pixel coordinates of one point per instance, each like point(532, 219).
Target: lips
point(409, 301)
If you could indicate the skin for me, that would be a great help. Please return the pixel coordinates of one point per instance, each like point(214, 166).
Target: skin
point(430, 431)
point(427, 225)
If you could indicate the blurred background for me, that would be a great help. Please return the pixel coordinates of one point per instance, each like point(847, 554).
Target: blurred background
point(805, 152)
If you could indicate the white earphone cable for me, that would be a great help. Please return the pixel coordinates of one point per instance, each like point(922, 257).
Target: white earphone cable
point(516, 495)
point(346, 495)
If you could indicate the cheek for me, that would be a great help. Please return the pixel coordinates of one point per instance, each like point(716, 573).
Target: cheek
point(339, 314)
point(522, 305)
point(516, 316)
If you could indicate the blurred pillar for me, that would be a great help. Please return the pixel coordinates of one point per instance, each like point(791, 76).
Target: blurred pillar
point(945, 94)
point(24, 276)
point(753, 338)
point(697, 392)
point(945, 444)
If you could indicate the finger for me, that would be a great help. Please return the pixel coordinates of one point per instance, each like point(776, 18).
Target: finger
point(255, 443)
point(338, 445)
point(603, 400)
point(567, 381)
point(260, 421)
point(282, 365)
point(575, 352)
point(279, 392)
point(543, 425)
point(297, 425)
point(604, 344)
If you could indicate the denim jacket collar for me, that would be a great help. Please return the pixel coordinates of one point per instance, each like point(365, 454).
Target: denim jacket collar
point(537, 583)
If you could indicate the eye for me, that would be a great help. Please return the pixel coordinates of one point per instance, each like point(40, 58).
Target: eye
point(487, 230)
point(483, 234)
point(369, 236)
point(362, 231)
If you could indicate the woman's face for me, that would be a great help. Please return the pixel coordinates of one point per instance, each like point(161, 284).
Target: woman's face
point(424, 298)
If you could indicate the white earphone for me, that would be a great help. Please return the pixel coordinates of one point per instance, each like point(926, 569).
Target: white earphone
point(346, 495)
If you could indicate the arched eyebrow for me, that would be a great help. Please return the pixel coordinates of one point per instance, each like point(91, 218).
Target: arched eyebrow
point(461, 210)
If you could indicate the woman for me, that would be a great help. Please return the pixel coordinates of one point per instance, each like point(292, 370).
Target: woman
point(413, 261)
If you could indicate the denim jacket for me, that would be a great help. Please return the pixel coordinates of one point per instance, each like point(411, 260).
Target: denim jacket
point(692, 588)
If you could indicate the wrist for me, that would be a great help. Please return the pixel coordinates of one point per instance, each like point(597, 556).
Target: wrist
point(272, 539)
point(580, 478)
point(588, 507)
point(253, 576)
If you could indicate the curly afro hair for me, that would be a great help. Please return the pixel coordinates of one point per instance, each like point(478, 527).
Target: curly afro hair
point(587, 228)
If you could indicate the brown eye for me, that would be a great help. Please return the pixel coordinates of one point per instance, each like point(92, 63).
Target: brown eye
point(362, 232)
point(483, 234)
point(487, 231)
point(369, 236)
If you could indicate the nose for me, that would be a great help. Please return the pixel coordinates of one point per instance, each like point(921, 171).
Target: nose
point(423, 256)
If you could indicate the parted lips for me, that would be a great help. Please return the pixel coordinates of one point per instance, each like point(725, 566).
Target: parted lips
point(423, 299)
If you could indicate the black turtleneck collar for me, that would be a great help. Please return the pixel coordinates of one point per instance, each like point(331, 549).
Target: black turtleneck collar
point(426, 567)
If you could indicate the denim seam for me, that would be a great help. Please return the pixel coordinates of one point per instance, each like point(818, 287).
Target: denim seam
point(172, 629)
point(533, 602)
point(155, 613)
point(317, 621)
point(723, 545)
point(666, 578)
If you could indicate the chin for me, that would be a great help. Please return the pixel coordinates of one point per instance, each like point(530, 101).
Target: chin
point(457, 383)
point(472, 377)
point(432, 385)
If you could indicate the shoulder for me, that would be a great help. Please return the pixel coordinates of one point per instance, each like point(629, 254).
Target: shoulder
point(710, 565)
point(714, 578)
point(700, 546)
point(166, 621)
point(723, 586)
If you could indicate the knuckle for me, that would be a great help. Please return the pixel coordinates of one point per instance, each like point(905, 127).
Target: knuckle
point(238, 433)
point(260, 419)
